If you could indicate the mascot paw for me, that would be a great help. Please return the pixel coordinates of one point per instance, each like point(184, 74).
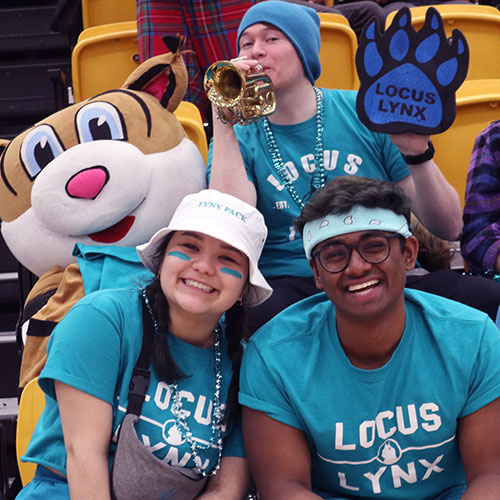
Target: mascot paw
point(408, 78)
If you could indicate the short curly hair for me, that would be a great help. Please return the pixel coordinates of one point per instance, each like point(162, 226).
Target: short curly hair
point(340, 195)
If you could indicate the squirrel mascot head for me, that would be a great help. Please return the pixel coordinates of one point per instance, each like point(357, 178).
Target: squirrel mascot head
point(106, 171)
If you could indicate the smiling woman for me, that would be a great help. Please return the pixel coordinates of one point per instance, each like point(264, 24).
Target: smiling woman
point(198, 284)
point(172, 404)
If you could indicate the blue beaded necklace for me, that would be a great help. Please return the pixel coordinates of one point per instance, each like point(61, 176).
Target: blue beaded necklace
point(319, 178)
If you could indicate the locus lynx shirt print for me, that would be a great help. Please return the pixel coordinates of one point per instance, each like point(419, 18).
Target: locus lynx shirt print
point(99, 360)
point(385, 433)
point(349, 148)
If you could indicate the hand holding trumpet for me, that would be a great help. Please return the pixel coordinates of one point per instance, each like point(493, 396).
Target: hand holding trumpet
point(250, 66)
point(239, 90)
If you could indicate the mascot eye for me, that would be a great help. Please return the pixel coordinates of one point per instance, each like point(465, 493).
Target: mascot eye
point(99, 121)
point(39, 148)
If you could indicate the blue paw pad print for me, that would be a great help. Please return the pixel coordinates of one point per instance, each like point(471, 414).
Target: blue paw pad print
point(409, 78)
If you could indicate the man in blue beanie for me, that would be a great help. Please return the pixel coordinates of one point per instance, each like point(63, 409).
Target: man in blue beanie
point(313, 136)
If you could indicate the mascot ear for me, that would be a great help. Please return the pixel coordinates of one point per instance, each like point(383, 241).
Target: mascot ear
point(164, 76)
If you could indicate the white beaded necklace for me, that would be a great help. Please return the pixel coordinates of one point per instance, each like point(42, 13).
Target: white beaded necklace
point(180, 414)
point(181, 421)
point(319, 178)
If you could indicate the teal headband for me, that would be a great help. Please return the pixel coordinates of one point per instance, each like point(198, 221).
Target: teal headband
point(359, 218)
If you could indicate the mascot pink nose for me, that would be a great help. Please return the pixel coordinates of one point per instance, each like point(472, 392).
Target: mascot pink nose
point(87, 183)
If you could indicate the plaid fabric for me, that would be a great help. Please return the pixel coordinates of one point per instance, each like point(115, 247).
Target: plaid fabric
point(210, 28)
point(480, 242)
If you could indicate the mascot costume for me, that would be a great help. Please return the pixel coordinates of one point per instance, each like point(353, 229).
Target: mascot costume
point(80, 189)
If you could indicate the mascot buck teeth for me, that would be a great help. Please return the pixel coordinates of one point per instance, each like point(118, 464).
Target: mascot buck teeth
point(80, 189)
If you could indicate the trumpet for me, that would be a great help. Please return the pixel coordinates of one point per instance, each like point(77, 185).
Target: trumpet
point(237, 97)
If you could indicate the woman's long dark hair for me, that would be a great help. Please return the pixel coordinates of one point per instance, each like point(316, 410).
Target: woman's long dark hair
point(164, 364)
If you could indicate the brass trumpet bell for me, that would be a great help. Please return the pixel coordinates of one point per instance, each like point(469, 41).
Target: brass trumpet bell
point(238, 98)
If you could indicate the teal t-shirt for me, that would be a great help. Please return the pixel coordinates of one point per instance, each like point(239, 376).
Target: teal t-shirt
point(95, 349)
point(108, 266)
point(385, 433)
point(349, 149)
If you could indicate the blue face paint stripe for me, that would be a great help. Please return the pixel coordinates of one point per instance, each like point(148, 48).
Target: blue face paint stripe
point(232, 272)
point(180, 255)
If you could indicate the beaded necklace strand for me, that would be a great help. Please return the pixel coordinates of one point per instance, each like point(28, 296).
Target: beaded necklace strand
point(180, 414)
point(319, 178)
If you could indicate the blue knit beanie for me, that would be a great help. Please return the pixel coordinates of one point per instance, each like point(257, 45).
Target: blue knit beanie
point(300, 25)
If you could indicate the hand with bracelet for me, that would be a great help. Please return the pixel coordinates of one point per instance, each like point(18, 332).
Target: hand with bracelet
point(435, 201)
point(415, 148)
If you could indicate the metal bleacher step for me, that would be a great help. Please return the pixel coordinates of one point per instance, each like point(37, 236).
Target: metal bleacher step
point(7, 337)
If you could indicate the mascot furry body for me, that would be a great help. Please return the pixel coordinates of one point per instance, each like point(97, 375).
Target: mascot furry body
point(80, 189)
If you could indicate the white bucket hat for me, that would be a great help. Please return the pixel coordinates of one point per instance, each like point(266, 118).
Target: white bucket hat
point(226, 218)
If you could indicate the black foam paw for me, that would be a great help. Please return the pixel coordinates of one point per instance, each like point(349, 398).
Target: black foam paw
point(409, 78)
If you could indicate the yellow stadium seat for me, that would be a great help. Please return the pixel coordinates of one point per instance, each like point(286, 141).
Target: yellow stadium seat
point(30, 408)
point(103, 58)
point(338, 50)
point(96, 12)
point(190, 118)
point(478, 103)
point(481, 26)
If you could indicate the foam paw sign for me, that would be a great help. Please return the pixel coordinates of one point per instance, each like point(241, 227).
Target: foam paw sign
point(408, 78)
point(81, 188)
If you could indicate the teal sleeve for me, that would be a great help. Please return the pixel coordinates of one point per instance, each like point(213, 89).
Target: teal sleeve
point(209, 160)
point(262, 391)
point(394, 160)
point(484, 386)
point(84, 352)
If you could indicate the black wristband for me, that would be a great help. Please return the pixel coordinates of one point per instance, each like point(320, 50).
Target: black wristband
point(427, 155)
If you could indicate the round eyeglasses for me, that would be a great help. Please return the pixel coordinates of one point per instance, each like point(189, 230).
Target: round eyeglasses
point(334, 257)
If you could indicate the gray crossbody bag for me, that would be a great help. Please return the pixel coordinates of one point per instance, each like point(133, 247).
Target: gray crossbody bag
point(137, 474)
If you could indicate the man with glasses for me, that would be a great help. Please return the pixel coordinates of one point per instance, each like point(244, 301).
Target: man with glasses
point(371, 390)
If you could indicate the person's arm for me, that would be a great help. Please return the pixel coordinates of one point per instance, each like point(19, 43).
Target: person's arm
point(480, 244)
point(87, 424)
point(434, 200)
point(232, 481)
point(228, 173)
point(479, 441)
point(279, 458)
